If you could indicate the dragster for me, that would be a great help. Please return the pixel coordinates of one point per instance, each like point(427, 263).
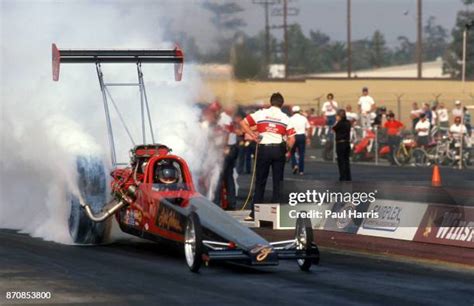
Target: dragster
point(153, 196)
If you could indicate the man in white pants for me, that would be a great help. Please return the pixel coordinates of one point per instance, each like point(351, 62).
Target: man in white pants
point(302, 138)
point(366, 107)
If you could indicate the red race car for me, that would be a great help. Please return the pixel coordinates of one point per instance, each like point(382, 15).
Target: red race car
point(153, 196)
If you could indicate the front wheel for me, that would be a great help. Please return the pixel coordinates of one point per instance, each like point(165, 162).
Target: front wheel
point(193, 246)
point(304, 241)
point(420, 157)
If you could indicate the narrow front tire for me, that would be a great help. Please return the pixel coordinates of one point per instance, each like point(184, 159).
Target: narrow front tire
point(193, 246)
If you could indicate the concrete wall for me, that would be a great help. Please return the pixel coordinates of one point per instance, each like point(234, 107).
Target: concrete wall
point(306, 93)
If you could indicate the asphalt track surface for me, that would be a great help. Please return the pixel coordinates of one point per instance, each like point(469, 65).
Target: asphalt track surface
point(131, 272)
point(137, 272)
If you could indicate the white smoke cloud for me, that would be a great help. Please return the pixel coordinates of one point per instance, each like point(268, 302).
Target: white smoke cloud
point(46, 124)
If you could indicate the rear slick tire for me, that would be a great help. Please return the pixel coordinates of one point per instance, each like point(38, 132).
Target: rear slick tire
point(91, 184)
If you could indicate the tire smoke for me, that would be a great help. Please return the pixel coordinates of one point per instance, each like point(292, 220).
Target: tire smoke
point(45, 125)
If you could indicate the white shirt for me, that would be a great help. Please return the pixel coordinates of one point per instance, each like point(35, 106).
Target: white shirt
point(366, 103)
point(423, 125)
point(458, 129)
point(457, 112)
point(352, 116)
point(226, 123)
point(443, 115)
point(416, 112)
point(272, 124)
point(434, 117)
point(329, 109)
point(300, 123)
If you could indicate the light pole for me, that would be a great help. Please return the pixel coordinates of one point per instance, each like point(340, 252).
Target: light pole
point(419, 43)
point(461, 153)
point(285, 35)
point(467, 26)
point(349, 44)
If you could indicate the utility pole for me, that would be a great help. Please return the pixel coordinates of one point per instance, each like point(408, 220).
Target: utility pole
point(285, 30)
point(419, 47)
point(267, 36)
point(285, 12)
point(349, 40)
point(266, 5)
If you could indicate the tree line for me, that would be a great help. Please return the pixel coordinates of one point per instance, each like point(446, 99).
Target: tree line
point(316, 52)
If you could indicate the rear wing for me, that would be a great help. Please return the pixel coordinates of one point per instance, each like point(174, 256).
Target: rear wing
point(173, 56)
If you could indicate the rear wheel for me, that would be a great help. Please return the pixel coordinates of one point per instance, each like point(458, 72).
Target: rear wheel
point(304, 241)
point(92, 187)
point(402, 156)
point(193, 247)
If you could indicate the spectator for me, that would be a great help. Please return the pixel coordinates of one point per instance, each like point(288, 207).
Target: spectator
point(352, 118)
point(457, 129)
point(350, 115)
point(227, 125)
point(422, 129)
point(427, 112)
point(394, 128)
point(343, 146)
point(434, 117)
point(366, 106)
point(457, 110)
point(329, 110)
point(302, 137)
point(415, 114)
point(443, 118)
point(240, 143)
point(380, 114)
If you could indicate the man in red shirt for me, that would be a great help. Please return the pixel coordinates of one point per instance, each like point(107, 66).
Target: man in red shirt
point(394, 128)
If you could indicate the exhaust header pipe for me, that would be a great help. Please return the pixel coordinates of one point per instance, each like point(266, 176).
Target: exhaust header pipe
point(106, 212)
point(110, 208)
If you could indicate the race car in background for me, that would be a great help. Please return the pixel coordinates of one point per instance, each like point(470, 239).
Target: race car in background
point(153, 195)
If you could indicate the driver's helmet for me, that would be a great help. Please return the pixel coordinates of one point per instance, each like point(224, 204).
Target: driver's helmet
point(166, 173)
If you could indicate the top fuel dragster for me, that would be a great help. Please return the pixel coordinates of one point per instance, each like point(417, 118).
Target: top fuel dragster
point(153, 196)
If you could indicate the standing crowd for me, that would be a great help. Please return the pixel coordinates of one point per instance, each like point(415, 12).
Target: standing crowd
point(271, 137)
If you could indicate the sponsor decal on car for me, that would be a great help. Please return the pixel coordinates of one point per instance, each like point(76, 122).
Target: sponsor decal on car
point(261, 252)
point(137, 216)
point(169, 219)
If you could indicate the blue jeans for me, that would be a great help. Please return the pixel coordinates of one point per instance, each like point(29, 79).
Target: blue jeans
point(330, 120)
point(300, 145)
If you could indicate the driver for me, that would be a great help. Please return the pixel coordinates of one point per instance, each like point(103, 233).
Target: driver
point(166, 174)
